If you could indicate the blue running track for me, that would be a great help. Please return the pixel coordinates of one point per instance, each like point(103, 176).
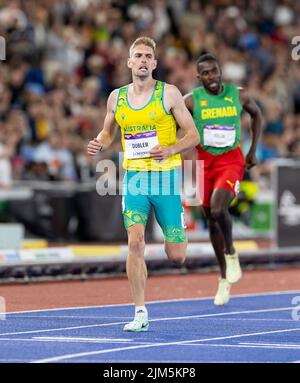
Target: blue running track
point(250, 328)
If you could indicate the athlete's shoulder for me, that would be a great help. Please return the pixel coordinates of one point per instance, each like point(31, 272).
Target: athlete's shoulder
point(191, 96)
point(191, 92)
point(172, 97)
point(112, 100)
point(114, 93)
point(232, 86)
point(113, 96)
point(171, 89)
point(244, 96)
point(237, 91)
point(198, 88)
point(172, 94)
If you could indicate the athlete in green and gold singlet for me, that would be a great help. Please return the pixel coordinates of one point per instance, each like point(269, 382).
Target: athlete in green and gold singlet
point(218, 118)
point(142, 129)
point(216, 110)
point(147, 111)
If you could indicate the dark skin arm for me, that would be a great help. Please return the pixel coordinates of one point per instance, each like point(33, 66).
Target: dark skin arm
point(250, 106)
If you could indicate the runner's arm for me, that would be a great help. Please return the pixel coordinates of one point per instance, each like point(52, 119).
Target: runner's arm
point(189, 102)
point(107, 134)
point(184, 119)
point(250, 106)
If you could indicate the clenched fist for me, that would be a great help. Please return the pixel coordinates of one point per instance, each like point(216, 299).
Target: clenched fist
point(160, 152)
point(93, 147)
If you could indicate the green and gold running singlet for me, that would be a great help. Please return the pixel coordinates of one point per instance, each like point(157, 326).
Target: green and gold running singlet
point(217, 118)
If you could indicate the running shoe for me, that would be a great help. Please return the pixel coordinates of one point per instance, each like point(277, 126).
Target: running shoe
point(140, 323)
point(223, 293)
point(233, 268)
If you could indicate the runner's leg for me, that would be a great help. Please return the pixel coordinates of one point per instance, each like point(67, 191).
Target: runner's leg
point(135, 265)
point(217, 240)
point(220, 201)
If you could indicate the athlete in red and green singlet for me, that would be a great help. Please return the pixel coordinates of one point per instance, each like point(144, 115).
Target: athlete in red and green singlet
point(216, 108)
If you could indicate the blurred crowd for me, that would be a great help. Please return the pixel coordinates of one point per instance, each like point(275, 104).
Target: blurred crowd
point(63, 58)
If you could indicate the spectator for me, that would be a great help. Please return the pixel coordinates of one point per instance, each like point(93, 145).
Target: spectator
point(58, 158)
point(63, 59)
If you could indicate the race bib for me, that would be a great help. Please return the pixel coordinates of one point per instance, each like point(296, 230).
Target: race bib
point(219, 136)
point(139, 145)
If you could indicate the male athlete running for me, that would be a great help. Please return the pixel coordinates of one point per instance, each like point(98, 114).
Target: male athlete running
point(216, 108)
point(147, 111)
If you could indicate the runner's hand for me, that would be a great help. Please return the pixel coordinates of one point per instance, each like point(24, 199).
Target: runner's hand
point(250, 160)
point(93, 147)
point(160, 153)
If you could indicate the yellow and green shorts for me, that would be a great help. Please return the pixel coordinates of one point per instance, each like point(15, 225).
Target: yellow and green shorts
point(161, 190)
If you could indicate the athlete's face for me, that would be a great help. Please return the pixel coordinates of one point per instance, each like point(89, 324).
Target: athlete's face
point(210, 75)
point(142, 61)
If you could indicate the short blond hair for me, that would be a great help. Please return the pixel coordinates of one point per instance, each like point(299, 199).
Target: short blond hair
point(143, 40)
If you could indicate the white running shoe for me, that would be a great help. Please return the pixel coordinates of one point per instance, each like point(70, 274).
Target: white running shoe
point(233, 268)
point(223, 293)
point(139, 323)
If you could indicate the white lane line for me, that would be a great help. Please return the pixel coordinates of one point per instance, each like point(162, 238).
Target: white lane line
point(281, 345)
point(244, 345)
point(86, 340)
point(129, 317)
point(98, 352)
point(256, 319)
point(161, 301)
point(80, 339)
point(70, 317)
point(153, 320)
point(73, 340)
point(62, 329)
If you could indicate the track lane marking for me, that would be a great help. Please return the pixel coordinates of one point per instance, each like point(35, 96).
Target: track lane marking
point(98, 352)
point(152, 320)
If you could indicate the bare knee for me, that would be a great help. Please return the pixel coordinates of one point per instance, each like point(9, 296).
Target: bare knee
point(136, 245)
point(216, 213)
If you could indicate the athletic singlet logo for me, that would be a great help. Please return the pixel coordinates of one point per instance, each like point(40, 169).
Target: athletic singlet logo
point(153, 115)
point(140, 312)
point(229, 99)
point(231, 184)
point(121, 101)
